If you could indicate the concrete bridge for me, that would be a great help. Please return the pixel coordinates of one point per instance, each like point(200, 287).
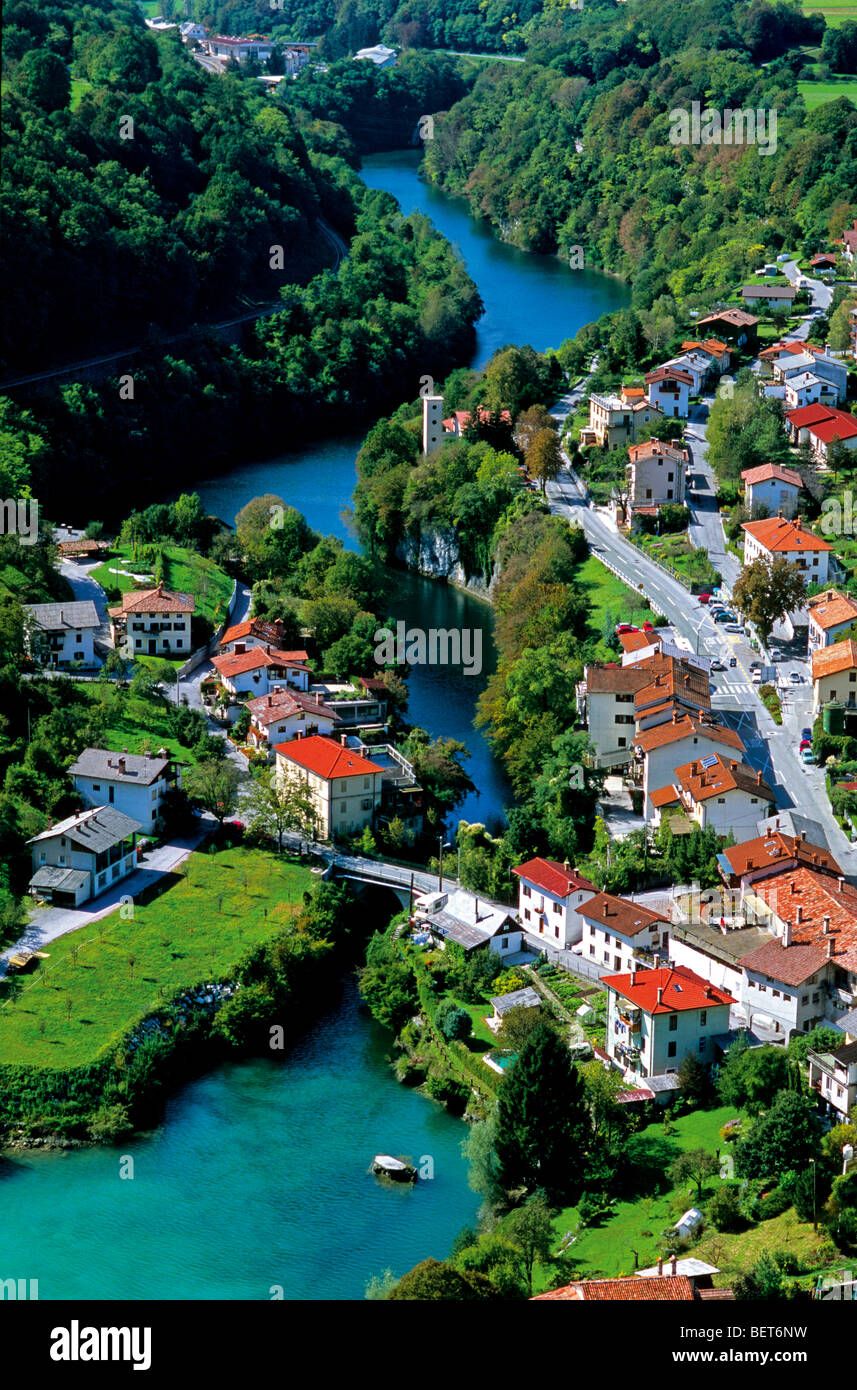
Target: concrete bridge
point(403, 882)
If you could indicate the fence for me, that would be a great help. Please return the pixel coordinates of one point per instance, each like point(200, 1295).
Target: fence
point(576, 965)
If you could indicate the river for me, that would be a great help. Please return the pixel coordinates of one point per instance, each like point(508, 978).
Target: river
point(258, 1178)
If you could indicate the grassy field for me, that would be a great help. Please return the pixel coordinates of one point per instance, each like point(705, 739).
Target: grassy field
point(607, 595)
point(125, 967)
point(79, 87)
point(184, 570)
point(140, 726)
point(817, 93)
point(835, 11)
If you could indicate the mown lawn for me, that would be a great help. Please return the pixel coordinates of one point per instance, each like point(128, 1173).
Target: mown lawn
point(192, 934)
point(835, 11)
point(139, 725)
point(608, 596)
point(817, 93)
point(184, 570)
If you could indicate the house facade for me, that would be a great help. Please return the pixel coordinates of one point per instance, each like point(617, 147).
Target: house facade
point(669, 389)
point(285, 714)
point(61, 634)
point(656, 1018)
point(833, 1076)
point(719, 794)
point(768, 296)
point(773, 487)
point(788, 539)
point(678, 740)
point(831, 614)
point(259, 669)
point(550, 896)
point(153, 622)
point(344, 786)
point(656, 473)
point(134, 784)
point(617, 931)
point(83, 855)
point(614, 420)
point(834, 675)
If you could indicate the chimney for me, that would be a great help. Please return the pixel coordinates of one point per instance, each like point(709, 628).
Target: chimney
point(656, 960)
point(633, 971)
point(673, 1266)
point(792, 886)
point(121, 764)
point(660, 994)
point(787, 932)
point(675, 716)
point(758, 777)
point(840, 883)
point(831, 945)
point(750, 864)
point(827, 924)
point(476, 909)
point(318, 697)
point(803, 834)
point(343, 739)
point(660, 1266)
point(799, 915)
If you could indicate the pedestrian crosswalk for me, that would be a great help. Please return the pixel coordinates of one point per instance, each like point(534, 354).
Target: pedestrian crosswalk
point(736, 688)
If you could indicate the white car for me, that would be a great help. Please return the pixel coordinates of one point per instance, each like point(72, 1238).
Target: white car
point(756, 675)
point(776, 654)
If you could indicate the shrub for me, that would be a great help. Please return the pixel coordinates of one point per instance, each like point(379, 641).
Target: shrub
point(772, 1204)
point(724, 1210)
point(453, 1021)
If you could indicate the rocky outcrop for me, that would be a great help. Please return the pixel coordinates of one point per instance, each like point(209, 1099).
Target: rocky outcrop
point(434, 553)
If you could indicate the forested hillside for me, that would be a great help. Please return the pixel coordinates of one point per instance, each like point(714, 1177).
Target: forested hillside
point(573, 149)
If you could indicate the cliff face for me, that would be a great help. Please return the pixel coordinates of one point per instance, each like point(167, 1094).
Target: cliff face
point(434, 553)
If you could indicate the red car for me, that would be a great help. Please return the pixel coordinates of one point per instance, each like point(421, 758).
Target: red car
point(805, 743)
point(626, 627)
point(704, 598)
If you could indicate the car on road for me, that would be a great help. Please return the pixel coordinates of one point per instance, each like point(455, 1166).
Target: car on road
point(805, 743)
point(776, 654)
point(724, 616)
point(807, 756)
point(796, 678)
point(733, 626)
point(756, 676)
point(718, 665)
point(704, 598)
point(806, 734)
point(754, 664)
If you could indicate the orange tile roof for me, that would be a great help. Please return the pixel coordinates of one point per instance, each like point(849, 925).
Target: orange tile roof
point(829, 661)
point(818, 896)
point(620, 914)
point(831, 608)
point(667, 374)
point(326, 758)
point(771, 852)
point(236, 663)
point(266, 709)
point(635, 641)
point(680, 990)
point(738, 318)
point(664, 796)
point(684, 726)
point(722, 776)
point(254, 627)
point(158, 600)
point(605, 678)
point(651, 447)
point(768, 471)
point(778, 533)
point(672, 679)
point(552, 877)
point(666, 1289)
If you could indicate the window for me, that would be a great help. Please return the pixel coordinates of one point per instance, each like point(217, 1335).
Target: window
point(617, 962)
point(804, 999)
point(592, 950)
point(342, 807)
point(606, 957)
point(365, 784)
point(703, 1018)
point(622, 742)
point(815, 997)
point(527, 914)
point(78, 637)
point(673, 1022)
point(775, 993)
point(504, 943)
point(527, 891)
point(702, 1042)
point(96, 786)
point(178, 642)
point(671, 1049)
point(763, 989)
point(669, 477)
point(557, 907)
point(111, 793)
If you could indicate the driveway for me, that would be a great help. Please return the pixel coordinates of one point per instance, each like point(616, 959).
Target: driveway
point(53, 922)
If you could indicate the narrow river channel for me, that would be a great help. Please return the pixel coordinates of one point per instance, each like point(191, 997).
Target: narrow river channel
point(258, 1177)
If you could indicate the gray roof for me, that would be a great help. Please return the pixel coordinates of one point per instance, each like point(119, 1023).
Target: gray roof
point(51, 876)
point(94, 830)
point(792, 822)
point(667, 1082)
point(846, 1023)
point(52, 617)
point(139, 770)
point(526, 998)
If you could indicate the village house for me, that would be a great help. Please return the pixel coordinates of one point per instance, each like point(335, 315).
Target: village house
point(770, 296)
point(669, 1289)
point(344, 786)
point(474, 923)
point(718, 793)
point(504, 1004)
point(773, 487)
point(379, 54)
point(825, 260)
point(770, 356)
point(192, 32)
point(672, 685)
point(550, 896)
point(768, 855)
point(808, 389)
point(820, 426)
point(780, 537)
point(134, 783)
point(830, 615)
point(657, 1017)
point(60, 634)
point(696, 365)
point(680, 738)
point(814, 362)
point(83, 855)
point(458, 422)
point(615, 420)
point(734, 326)
point(833, 1077)
point(834, 675)
point(362, 705)
point(656, 474)
point(718, 352)
point(605, 703)
point(257, 670)
point(82, 549)
point(669, 389)
point(224, 47)
point(283, 714)
point(849, 242)
point(617, 931)
point(255, 632)
point(153, 622)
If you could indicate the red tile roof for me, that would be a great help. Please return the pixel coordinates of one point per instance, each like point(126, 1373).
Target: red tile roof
point(682, 726)
point(831, 608)
point(620, 914)
point(158, 600)
point(818, 896)
point(772, 851)
point(667, 1289)
point(650, 448)
point(552, 877)
point(667, 374)
point(768, 471)
point(231, 664)
point(636, 641)
point(326, 758)
point(281, 703)
point(255, 627)
point(778, 533)
point(722, 776)
point(829, 661)
point(680, 988)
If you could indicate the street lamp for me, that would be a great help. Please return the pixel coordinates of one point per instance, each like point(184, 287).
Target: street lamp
point(442, 845)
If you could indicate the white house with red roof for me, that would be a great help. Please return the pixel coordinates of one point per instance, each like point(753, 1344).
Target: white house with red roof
point(550, 896)
point(831, 614)
point(656, 473)
point(669, 389)
point(283, 714)
point(779, 537)
point(773, 487)
point(681, 737)
point(656, 1018)
point(345, 787)
point(153, 622)
point(718, 793)
point(820, 426)
point(257, 670)
point(617, 931)
point(255, 632)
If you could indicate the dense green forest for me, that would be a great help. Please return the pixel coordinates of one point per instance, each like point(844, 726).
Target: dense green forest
point(572, 148)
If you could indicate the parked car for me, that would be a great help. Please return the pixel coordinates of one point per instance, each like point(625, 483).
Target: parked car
point(806, 734)
point(733, 626)
point(776, 654)
point(704, 598)
point(796, 678)
point(805, 743)
point(754, 665)
point(626, 627)
point(756, 676)
point(807, 755)
point(724, 616)
point(717, 665)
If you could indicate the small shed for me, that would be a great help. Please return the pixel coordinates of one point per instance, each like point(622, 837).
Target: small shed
point(690, 1223)
point(503, 1004)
